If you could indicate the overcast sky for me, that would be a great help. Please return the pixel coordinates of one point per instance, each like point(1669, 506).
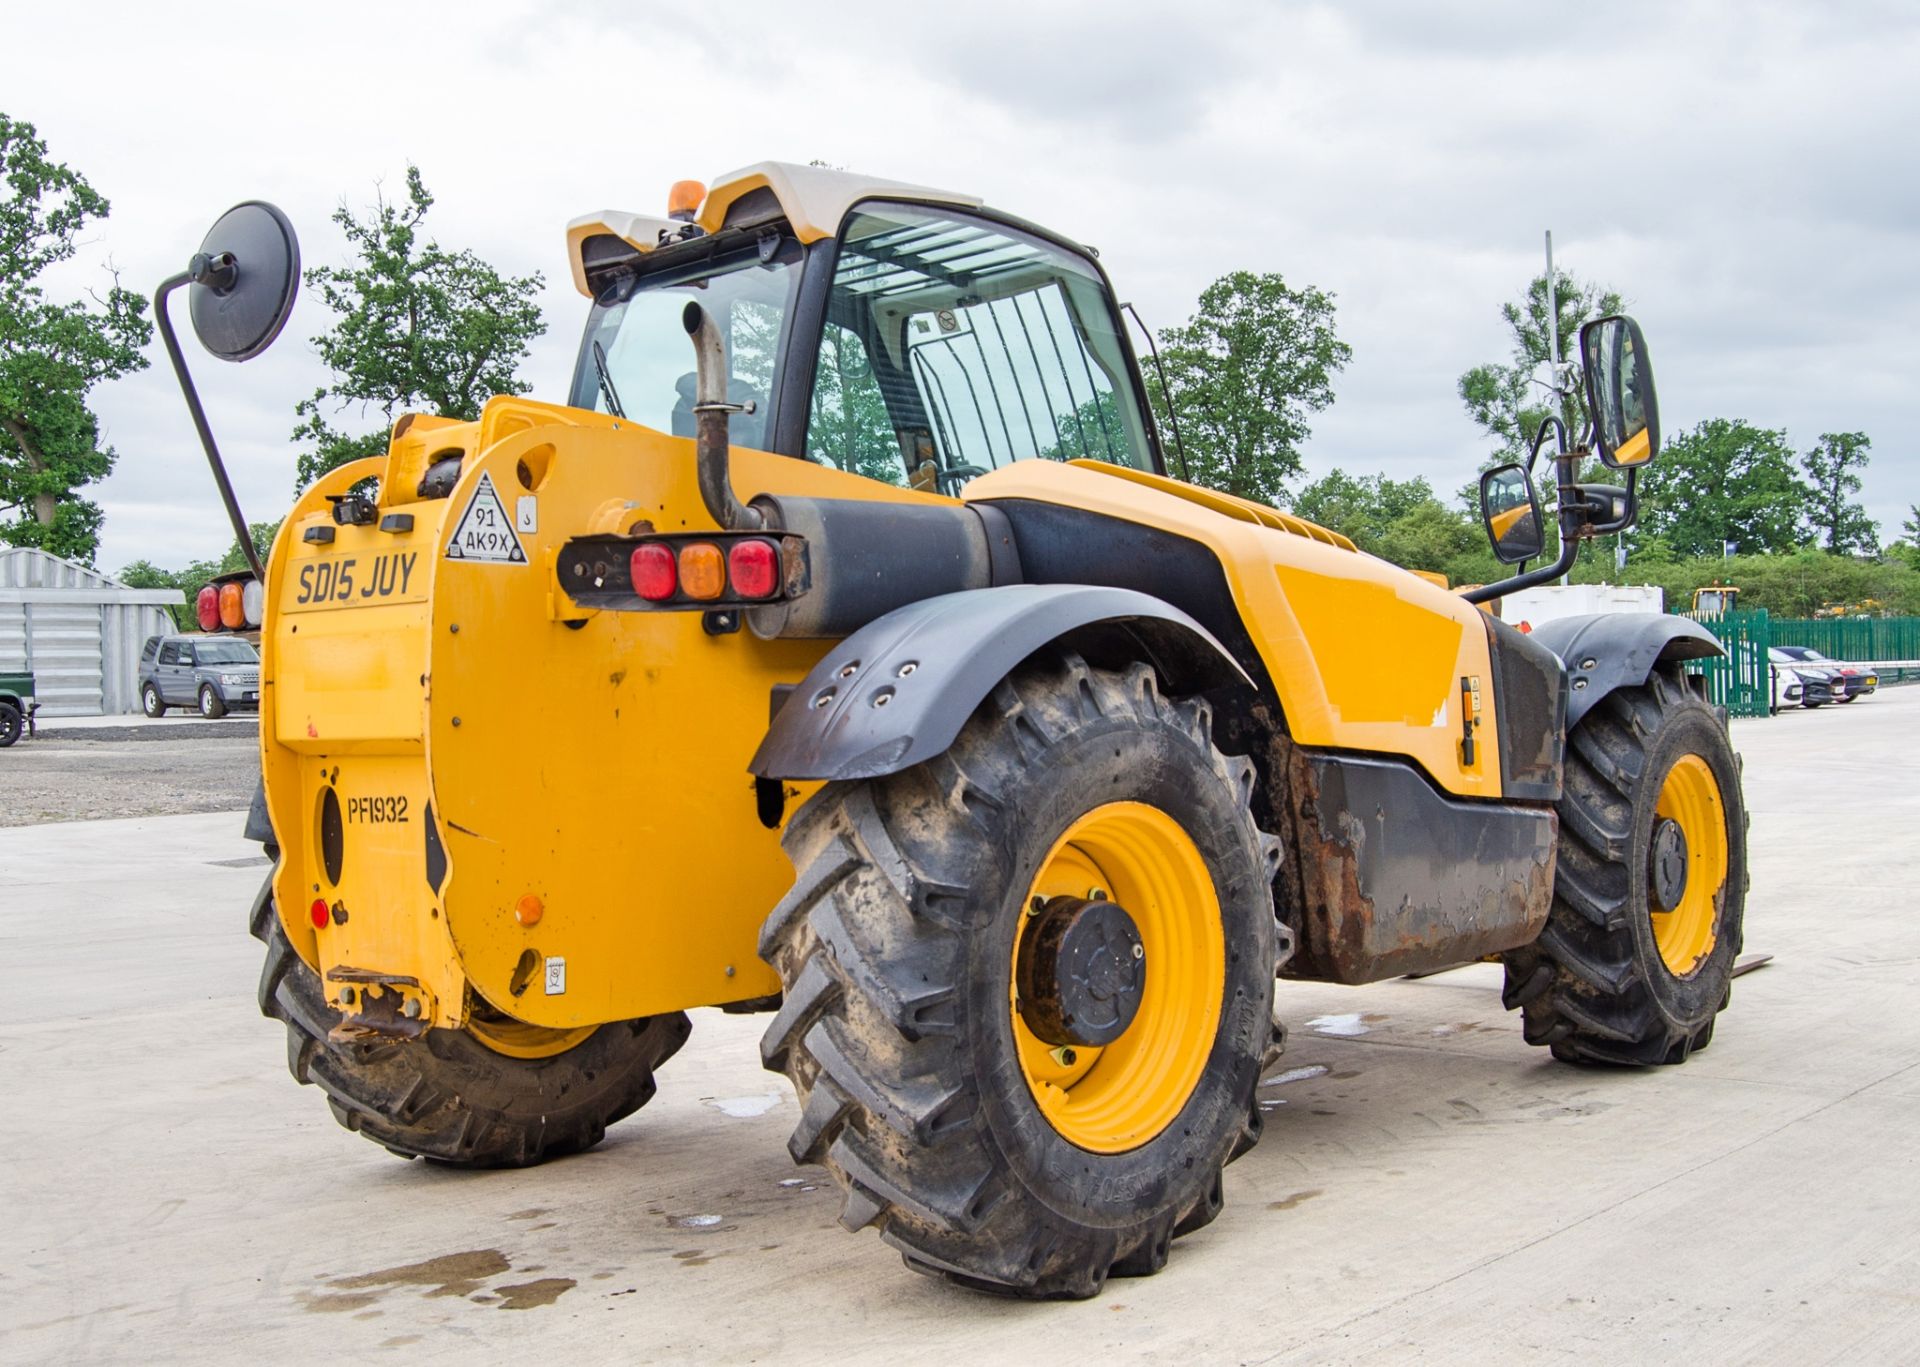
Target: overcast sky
point(1745, 174)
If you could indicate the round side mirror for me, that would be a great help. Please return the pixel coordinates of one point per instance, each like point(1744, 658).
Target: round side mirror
point(245, 276)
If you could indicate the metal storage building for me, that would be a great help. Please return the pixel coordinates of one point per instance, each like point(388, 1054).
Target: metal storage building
point(78, 630)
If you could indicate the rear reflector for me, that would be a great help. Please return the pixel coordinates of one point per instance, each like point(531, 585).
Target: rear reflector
point(654, 575)
point(754, 567)
point(318, 914)
point(703, 571)
point(232, 615)
point(206, 607)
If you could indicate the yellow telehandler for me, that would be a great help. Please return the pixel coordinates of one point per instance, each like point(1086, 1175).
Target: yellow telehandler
point(891, 686)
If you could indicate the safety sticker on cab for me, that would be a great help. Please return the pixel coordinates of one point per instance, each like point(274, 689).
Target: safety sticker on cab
point(485, 532)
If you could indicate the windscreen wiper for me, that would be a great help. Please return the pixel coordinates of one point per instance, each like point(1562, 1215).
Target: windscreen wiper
point(607, 390)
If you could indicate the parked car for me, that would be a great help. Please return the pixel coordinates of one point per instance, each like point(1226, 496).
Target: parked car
point(210, 673)
point(1857, 680)
point(16, 707)
point(1798, 684)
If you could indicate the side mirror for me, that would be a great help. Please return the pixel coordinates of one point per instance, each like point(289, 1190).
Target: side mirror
point(245, 276)
point(1511, 510)
point(1626, 415)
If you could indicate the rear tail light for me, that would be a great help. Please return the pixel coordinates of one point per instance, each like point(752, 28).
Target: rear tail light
point(206, 607)
point(754, 567)
point(654, 575)
point(232, 617)
point(703, 571)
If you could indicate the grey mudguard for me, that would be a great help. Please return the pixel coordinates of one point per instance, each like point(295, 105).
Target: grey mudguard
point(898, 690)
point(1607, 650)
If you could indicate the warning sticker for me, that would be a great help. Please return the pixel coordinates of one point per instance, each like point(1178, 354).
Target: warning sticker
point(484, 531)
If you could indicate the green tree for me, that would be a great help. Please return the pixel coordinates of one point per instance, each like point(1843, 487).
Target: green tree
point(1508, 401)
point(1725, 480)
point(1833, 472)
point(849, 426)
point(53, 354)
point(415, 326)
point(1361, 507)
point(1247, 370)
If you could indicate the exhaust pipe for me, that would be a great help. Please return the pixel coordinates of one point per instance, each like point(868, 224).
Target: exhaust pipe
point(710, 412)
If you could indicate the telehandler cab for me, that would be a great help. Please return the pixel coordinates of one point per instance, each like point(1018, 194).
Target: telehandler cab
point(901, 694)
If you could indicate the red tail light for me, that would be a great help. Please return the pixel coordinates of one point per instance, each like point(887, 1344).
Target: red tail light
point(754, 567)
point(655, 576)
point(206, 606)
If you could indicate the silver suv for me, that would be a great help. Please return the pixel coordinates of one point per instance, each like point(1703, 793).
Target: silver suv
point(210, 673)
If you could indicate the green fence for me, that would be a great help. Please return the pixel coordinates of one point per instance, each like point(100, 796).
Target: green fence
point(1853, 638)
point(1740, 680)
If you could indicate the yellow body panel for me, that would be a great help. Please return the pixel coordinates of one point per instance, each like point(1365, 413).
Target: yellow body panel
point(1364, 655)
point(594, 764)
point(601, 767)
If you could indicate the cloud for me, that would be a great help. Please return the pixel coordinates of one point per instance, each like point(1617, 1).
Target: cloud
point(1742, 173)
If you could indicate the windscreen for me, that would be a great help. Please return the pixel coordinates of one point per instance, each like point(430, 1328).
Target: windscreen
point(954, 345)
point(746, 289)
point(224, 653)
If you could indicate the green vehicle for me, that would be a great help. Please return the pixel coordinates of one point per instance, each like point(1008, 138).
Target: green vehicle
point(16, 707)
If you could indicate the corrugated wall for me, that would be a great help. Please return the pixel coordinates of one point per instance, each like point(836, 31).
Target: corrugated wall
point(78, 631)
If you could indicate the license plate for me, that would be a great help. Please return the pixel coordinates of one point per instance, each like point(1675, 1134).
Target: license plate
point(253, 697)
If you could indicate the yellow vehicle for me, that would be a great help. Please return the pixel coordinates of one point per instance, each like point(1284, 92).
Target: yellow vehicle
point(1715, 599)
point(900, 693)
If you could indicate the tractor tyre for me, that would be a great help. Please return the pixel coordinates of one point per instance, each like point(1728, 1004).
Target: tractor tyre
point(447, 1096)
point(1637, 956)
point(987, 1151)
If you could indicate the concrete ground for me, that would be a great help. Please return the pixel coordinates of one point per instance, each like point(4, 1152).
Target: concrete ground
point(1429, 1188)
point(84, 772)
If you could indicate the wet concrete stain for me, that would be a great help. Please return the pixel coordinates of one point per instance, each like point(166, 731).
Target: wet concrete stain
point(1299, 1198)
point(532, 1214)
point(452, 1274)
point(531, 1295)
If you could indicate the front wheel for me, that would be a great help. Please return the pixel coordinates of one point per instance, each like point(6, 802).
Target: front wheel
point(12, 723)
point(1636, 959)
point(1028, 985)
point(150, 701)
point(212, 705)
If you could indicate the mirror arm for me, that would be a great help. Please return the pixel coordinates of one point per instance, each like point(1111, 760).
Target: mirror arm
point(240, 528)
point(1633, 508)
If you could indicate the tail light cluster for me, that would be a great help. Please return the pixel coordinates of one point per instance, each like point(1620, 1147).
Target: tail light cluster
point(230, 605)
point(715, 571)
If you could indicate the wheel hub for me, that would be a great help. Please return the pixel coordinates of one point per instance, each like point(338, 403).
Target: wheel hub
point(1080, 971)
point(1669, 864)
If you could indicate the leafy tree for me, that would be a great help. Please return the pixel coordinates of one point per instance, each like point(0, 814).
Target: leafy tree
point(144, 574)
point(1506, 400)
point(1725, 480)
point(53, 354)
point(1361, 508)
point(1832, 470)
point(1247, 370)
point(415, 326)
point(1091, 429)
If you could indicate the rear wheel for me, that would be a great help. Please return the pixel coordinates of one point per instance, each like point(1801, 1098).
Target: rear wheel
point(12, 723)
point(150, 701)
point(212, 705)
point(1637, 956)
point(1028, 985)
point(501, 1094)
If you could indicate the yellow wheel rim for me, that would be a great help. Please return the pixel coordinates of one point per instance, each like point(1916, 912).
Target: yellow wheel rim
point(1690, 797)
point(517, 1039)
point(1112, 1099)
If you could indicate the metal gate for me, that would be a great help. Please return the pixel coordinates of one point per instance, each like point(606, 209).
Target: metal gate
point(1741, 680)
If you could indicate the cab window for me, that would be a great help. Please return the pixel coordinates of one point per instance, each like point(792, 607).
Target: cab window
point(955, 345)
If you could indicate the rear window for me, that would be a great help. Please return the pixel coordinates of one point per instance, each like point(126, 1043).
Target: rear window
point(150, 649)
